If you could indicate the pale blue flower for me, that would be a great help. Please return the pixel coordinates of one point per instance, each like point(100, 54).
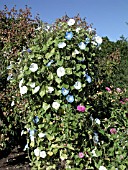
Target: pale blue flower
point(88, 78)
point(36, 119)
point(49, 63)
point(70, 98)
point(69, 35)
point(61, 45)
point(31, 132)
point(87, 40)
point(82, 46)
point(64, 91)
point(95, 138)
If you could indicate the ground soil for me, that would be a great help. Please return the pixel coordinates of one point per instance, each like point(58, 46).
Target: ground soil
point(16, 159)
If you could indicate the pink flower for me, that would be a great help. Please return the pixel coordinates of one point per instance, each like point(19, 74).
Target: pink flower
point(81, 108)
point(126, 99)
point(122, 102)
point(81, 154)
point(118, 90)
point(108, 89)
point(113, 131)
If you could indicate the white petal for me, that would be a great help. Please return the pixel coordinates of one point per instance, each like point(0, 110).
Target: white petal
point(33, 67)
point(37, 152)
point(60, 72)
point(36, 89)
point(71, 22)
point(12, 104)
point(41, 135)
point(56, 105)
point(32, 85)
point(23, 90)
point(42, 154)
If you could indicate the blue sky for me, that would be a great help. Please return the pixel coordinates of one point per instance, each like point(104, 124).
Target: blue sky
point(109, 17)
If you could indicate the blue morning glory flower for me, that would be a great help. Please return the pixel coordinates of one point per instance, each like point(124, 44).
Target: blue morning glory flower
point(64, 91)
point(70, 98)
point(29, 51)
point(36, 119)
point(87, 40)
point(49, 63)
point(88, 78)
point(69, 35)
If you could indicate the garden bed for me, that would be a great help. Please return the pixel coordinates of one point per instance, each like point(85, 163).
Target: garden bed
point(16, 159)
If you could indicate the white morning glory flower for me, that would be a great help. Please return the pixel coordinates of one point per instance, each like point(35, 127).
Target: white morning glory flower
point(60, 72)
point(37, 152)
point(98, 39)
point(36, 89)
point(50, 89)
point(61, 45)
point(42, 154)
point(33, 67)
point(77, 85)
point(13, 103)
point(41, 135)
point(32, 85)
point(82, 46)
point(97, 121)
point(76, 51)
point(56, 105)
point(71, 22)
point(78, 29)
point(102, 168)
point(23, 90)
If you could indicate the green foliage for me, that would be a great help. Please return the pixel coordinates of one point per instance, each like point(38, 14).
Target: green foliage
point(59, 96)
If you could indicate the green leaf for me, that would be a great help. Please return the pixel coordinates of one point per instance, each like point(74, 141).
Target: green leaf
point(50, 137)
point(46, 106)
point(42, 92)
point(69, 71)
point(70, 147)
point(58, 80)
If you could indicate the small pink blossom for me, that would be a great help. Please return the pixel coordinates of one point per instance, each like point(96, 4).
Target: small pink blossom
point(118, 90)
point(81, 108)
point(108, 89)
point(81, 154)
point(122, 102)
point(126, 99)
point(113, 131)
